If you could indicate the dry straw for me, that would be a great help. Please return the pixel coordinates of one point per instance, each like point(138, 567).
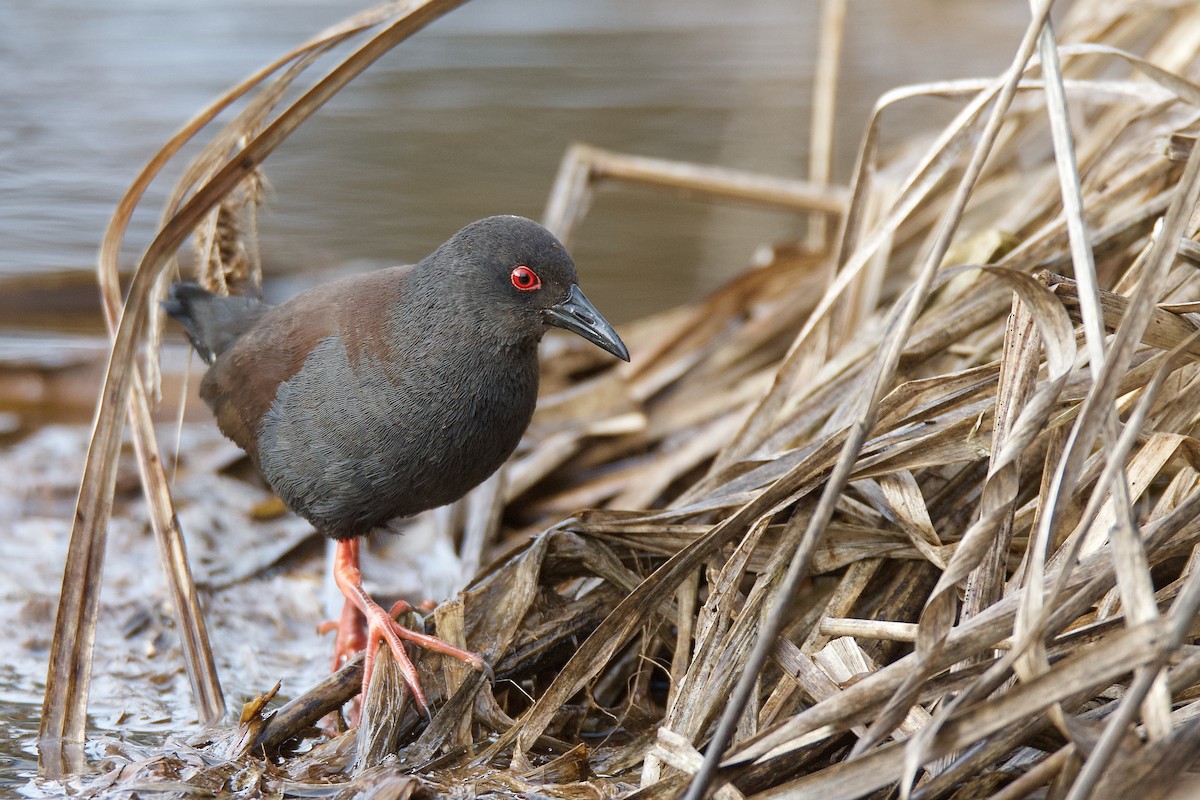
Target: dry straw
point(915, 515)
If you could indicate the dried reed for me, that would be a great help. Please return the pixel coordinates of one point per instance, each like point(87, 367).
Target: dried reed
point(916, 515)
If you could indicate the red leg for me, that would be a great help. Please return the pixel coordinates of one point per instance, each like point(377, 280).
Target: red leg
point(351, 629)
point(380, 625)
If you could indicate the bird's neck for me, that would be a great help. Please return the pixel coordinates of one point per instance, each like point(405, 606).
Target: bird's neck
point(464, 318)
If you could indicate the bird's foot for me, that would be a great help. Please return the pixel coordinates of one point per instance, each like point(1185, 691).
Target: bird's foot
point(382, 626)
point(351, 638)
point(357, 632)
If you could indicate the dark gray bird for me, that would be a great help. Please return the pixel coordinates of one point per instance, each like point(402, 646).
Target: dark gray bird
point(386, 394)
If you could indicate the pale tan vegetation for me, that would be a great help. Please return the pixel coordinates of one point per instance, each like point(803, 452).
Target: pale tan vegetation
point(929, 493)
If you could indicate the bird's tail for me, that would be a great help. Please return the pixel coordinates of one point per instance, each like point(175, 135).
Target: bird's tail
point(212, 322)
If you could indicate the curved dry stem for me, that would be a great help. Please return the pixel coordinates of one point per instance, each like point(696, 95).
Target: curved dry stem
point(64, 709)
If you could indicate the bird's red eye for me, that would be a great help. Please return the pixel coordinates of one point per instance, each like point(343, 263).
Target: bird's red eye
point(525, 279)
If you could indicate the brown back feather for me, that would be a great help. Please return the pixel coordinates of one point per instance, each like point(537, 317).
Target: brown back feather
point(242, 383)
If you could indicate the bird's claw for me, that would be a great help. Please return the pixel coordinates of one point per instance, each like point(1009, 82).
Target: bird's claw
point(381, 625)
point(402, 607)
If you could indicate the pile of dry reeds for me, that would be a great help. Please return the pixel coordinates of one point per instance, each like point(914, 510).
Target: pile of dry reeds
point(917, 515)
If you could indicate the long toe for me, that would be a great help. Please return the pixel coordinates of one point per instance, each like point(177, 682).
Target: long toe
point(433, 643)
point(380, 626)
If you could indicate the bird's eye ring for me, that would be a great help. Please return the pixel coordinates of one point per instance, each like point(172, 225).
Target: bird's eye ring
point(525, 279)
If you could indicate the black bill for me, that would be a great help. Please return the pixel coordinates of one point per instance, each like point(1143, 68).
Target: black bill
point(578, 315)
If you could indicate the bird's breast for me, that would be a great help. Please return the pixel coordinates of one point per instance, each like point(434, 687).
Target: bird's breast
point(351, 443)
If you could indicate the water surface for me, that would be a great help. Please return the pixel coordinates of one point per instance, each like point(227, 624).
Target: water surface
point(469, 118)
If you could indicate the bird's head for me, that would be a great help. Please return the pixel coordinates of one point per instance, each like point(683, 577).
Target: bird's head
point(515, 279)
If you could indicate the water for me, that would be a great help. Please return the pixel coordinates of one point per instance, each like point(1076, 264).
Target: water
point(469, 118)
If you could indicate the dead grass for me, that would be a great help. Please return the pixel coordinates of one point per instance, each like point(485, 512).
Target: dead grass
point(916, 515)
